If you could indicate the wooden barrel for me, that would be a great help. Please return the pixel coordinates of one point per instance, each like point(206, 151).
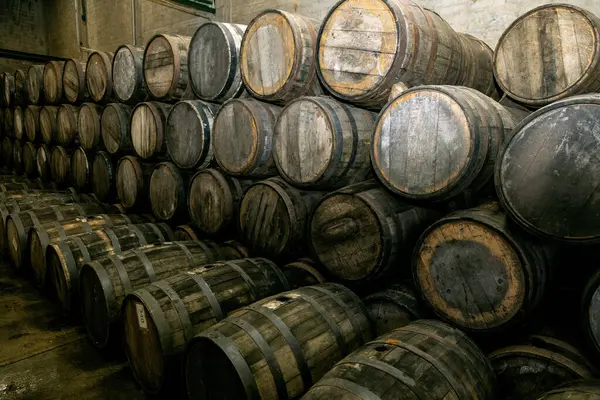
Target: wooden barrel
point(233, 250)
point(213, 291)
point(60, 164)
point(81, 169)
point(21, 89)
point(7, 152)
point(128, 75)
point(242, 137)
point(66, 125)
point(274, 217)
point(590, 315)
point(9, 122)
point(28, 155)
point(278, 57)
point(9, 90)
point(88, 125)
point(73, 81)
point(214, 61)
point(41, 236)
point(538, 78)
point(21, 183)
point(536, 365)
point(115, 128)
point(214, 201)
point(103, 176)
point(53, 88)
point(363, 233)
point(478, 273)
point(461, 132)
point(166, 67)
point(48, 127)
point(589, 389)
point(132, 181)
point(35, 84)
point(17, 157)
point(31, 122)
point(188, 132)
point(366, 46)
point(18, 225)
point(168, 192)
point(558, 206)
point(188, 232)
point(147, 127)
point(18, 123)
point(104, 283)
point(322, 143)
point(279, 332)
point(42, 162)
point(394, 307)
point(303, 272)
point(98, 76)
point(423, 360)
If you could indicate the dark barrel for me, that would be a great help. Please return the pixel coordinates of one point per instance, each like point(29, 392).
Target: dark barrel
point(73, 81)
point(60, 164)
point(88, 125)
point(66, 125)
point(31, 122)
point(18, 123)
point(80, 169)
point(98, 76)
point(53, 88)
point(9, 117)
point(18, 157)
point(233, 250)
point(166, 67)
point(35, 84)
point(270, 349)
point(303, 272)
point(132, 181)
point(188, 232)
point(128, 75)
point(147, 127)
point(21, 89)
point(48, 126)
point(423, 360)
point(9, 90)
point(199, 298)
point(29, 157)
point(103, 176)
point(590, 315)
point(115, 128)
point(168, 192)
point(42, 162)
point(7, 152)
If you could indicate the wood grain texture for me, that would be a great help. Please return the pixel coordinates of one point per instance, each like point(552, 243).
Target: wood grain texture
point(9, 90)
point(66, 133)
point(128, 75)
point(42, 162)
point(18, 157)
point(423, 360)
point(243, 138)
point(80, 169)
point(320, 143)
point(18, 123)
point(148, 121)
point(73, 81)
point(362, 233)
point(188, 132)
point(115, 128)
point(89, 126)
point(29, 154)
point(166, 67)
point(549, 53)
point(35, 84)
point(168, 192)
point(60, 164)
point(21, 88)
point(277, 347)
point(214, 61)
point(53, 88)
point(103, 176)
point(48, 126)
point(278, 57)
point(133, 179)
point(548, 173)
point(579, 390)
point(31, 122)
point(98, 76)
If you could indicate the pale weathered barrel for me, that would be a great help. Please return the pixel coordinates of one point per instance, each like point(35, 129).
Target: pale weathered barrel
point(21, 89)
point(9, 122)
point(270, 349)
point(18, 157)
point(188, 132)
point(7, 152)
point(42, 162)
point(568, 63)
point(589, 389)
point(104, 283)
point(460, 134)
point(31, 121)
point(278, 57)
point(214, 61)
point(73, 81)
point(103, 176)
point(128, 75)
point(132, 181)
point(48, 127)
point(115, 128)
point(81, 169)
point(18, 123)
point(363, 233)
point(274, 217)
point(64, 258)
point(320, 143)
point(147, 127)
point(66, 125)
point(9, 89)
point(60, 164)
point(166, 67)
point(35, 84)
point(242, 137)
point(98, 76)
point(88, 125)
point(213, 291)
point(53, 88)
point(29, 157)
point(214, 201)
point(168, 192)
point(423, 360)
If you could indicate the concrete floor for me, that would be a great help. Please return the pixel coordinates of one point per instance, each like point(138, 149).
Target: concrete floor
point(43, 356)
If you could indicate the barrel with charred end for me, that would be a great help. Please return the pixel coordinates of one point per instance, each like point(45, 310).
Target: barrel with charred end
point(35, 84)
point(43, 162)
point(31, 123)
point(214, 201)
point(64, 258)
point(18, 123)
point(48, 127)
point(362, 233)
point(28, 155)
point(8, 121)
point(88, 126)
point(66, 125)
point(233, 250)
point(104, 283)
point(242, 137)
point(214, 61)
point(8, 93)
point(589, 389)
point(60, 164)
point(166, 67)
point(98, 76)
point(274, 217)
point(132, 181)
point(18, 157)
point(537, 364)
point(303, 272)
point(168, 192)
point(81, 169)
point(21, 89)
point(280, 333)
point(479, 273)
point(188, 232)
point(147, 127)
point(188, 133)
point(73, 81)
point(103, 176)
point(155, 348)
point(115, 128)
point(320, 143)
point(128, 75)
point(462, 132)
point(426, 360)
point(53, 88)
